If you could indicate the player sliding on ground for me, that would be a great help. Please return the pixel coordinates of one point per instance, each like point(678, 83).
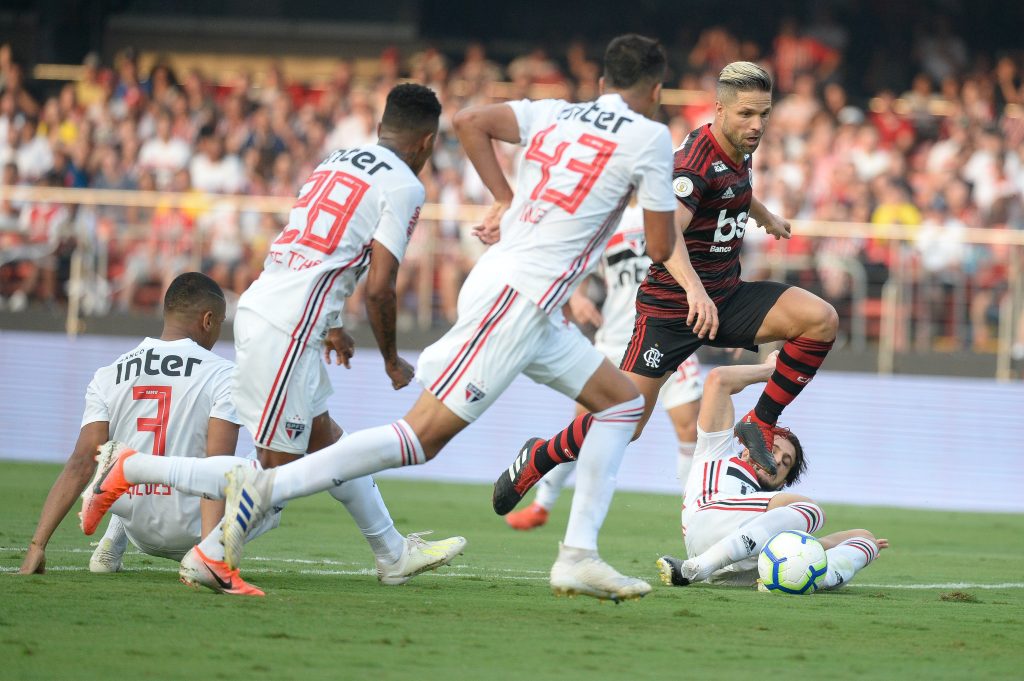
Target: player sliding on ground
point(734, 506)
point(623, 266)
point(172, 395)
point(582, 164)
point(696, 297)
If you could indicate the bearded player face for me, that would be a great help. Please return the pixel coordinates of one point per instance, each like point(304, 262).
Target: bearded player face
point(742, 117)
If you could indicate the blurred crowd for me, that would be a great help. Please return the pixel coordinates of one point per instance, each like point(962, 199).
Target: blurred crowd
point(943, 154)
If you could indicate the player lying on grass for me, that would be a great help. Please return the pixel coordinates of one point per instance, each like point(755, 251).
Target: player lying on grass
point(172, 395)
point(624, 264)
point(733, 506)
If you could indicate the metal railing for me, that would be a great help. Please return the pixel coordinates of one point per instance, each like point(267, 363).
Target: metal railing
point(909, 311)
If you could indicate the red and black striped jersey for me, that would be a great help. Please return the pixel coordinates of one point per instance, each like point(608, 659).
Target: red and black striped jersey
point(718, 193)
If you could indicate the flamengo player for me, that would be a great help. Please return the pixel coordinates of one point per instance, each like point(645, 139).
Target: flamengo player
point(733, 507)
point(170, 395)
point(582, 164)
point(623, 266)
point(354, 216)
point(696, 297)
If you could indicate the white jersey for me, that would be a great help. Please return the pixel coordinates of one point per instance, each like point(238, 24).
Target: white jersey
point(159, 398)
point(623, 268)
point(720, 479)
point(582, 164)
point(354, 197)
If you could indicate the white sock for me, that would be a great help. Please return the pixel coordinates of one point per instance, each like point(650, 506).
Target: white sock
point(846, 560)
point(749, 539)
point(358, 455)
point(364, 503)
point(116, 533)
point(551, 485)
point(596, 470)
point(684, 462)
point(188, 475)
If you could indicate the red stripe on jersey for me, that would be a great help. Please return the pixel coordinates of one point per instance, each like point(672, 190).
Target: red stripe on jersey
point(860, 548)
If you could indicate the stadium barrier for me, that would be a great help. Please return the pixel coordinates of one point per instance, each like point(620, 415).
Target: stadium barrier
point(888, 299)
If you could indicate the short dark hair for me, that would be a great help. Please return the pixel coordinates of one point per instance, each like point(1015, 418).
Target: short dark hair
point(799, 462)
point(633, 59)
point(192, 292)
point(411, 107)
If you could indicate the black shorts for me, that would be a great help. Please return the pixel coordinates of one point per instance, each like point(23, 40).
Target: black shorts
point(659, 346)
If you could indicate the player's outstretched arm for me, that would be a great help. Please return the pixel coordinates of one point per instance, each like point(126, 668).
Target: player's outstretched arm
point(65, 491)
point(775, 225)
point(477, 127)
point(716, 410)
point(382, 311)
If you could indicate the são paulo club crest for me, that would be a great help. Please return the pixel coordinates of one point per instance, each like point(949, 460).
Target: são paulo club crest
point(294, 426)
point(474, 394)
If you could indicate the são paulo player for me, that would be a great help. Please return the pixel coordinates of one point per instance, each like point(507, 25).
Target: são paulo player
point(733, 506)
point(170, 395)
point(353, 217)
point(623, 266)
point(582, 164)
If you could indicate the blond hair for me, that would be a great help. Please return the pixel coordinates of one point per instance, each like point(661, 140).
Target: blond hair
point(742, 76)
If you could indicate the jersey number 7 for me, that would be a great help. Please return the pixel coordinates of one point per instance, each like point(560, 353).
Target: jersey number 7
point(589, 172)
point(158, 425)
point(319, 200)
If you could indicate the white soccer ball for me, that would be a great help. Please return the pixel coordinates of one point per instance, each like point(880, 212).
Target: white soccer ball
point(792, 562)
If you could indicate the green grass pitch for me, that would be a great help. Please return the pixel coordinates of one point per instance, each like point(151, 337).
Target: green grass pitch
point(924, 610)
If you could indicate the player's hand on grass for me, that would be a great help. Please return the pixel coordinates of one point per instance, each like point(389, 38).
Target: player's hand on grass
point(703, 315)
point(584, 311)
point(777, 226)
point(35, 561)
point(881, 543)
point(489, 231)
point(400, 372)
point(339, 342)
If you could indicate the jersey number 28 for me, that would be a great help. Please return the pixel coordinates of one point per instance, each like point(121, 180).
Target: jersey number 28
point(319, 200)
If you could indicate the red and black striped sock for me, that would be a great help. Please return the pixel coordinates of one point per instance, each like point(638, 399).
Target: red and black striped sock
point(798, 362)
point(563, 447)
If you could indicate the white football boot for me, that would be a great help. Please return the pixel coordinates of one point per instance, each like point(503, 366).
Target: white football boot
point(419, 556)
point(110, 549)
point(581, 571)
point(246, 502)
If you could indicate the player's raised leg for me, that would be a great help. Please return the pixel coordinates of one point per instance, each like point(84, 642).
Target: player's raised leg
point(548, 490)
point(808, 324)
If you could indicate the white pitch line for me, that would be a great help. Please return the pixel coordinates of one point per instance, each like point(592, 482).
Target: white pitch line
point(462, 571)
point(487, 575)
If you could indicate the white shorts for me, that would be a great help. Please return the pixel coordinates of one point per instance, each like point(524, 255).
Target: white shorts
point(682, 387)
point(279, 385)
point(718, 518)
point(500, 334)
point(159, 520)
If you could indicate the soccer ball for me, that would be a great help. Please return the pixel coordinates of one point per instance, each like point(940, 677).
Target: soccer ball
point(792, 562)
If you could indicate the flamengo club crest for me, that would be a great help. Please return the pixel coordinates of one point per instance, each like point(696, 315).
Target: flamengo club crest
point(653, 357)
